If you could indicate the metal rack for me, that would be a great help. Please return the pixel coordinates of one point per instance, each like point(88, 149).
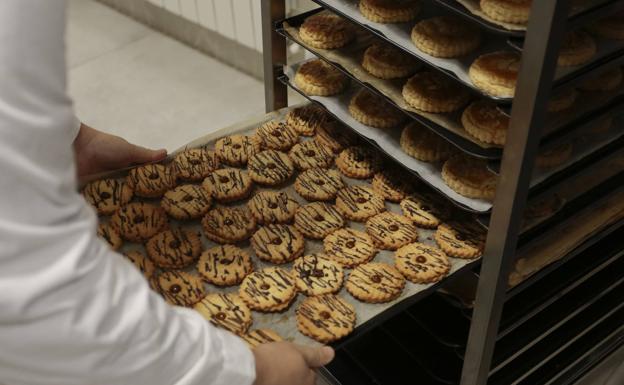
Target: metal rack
point(471, 352)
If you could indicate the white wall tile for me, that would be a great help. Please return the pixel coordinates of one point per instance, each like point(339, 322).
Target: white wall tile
point(172, 6)
point(188, 10)
point(206, 13)
point(257, 23)
point(157, 2)
point(243, 22)
point(225, 18)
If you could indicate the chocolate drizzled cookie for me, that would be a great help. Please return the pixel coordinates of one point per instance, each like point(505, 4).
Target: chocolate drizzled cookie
point(318, 184)
point(316, 274)
point(269, 290)
point(227, 311)
point(180, 288)
point(325, 318)
point(349, 247)
point(228, 224)
point(317, 220)
point(139, 221)
point(235, 150)
point(228, 184)
point(107, 195)
point(151, 180)
point(375, 282)
point(195, 164)
point(277, 243)
point(224, 265)
point(174, 249)
point(186, 202)
point(272, 207)
point(271, 168)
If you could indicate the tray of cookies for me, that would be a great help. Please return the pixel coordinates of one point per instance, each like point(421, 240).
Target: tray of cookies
point(284, 227)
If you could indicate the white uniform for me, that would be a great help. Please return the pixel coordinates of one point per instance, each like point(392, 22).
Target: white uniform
point(71, 310)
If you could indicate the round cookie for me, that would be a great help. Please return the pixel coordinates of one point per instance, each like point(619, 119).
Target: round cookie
point(310, 154)
point(235, 150)
point(577, 48)
point(359, 203)
point(335, 137)
point(139, 221)
point(496, 73)
point(461, 240)
point(562, 100)
point(107, 195)
point(433, 92)
point(316, 274)
point(446, 36)
point(110, 234)
point(483, 120)
point(349, 247)
point(374, 111)
point(228, 224)
point(305, 120)
point(391, 231)
point(151, 180)
point(389, 11)
point(180, 288)
point(144, 264)
point(470, 177)
point(610, 27)
point(421, 263)
point(390, 185)
point(227, 311)
point(258, 337)
point(385, 61)
point(277, 243)
point(195, 164)
point(224, 265)
point(269, 290)
point(325, 318)
point(317, 220)
point(271, 168)
point(228, 185)
point(421, 211)
point(421, 143)
point(607, 80)
point(319, 184)
point(510, 11)
point(319, 78)
point(326, 30)
point(375, 282)
point(174, 249)
point(276, 135)
point(554, 156)
point(186, 202)
point(358, 162)
point(272, 207)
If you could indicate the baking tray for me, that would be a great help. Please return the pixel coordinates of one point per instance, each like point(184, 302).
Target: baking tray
point(285, 323)
point(388, 141)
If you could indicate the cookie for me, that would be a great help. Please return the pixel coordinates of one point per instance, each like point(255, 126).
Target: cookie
point(258, 337)
point(359, 203)
point(195, 164)
point(318, 184)
point(235, 150)
point(390, 185)
point(305, 120)
point(318, 78)
point(577, 48)
point(227, 311)
point(272, 207)
point(421, 263)
point(358, 162)
point(496, 73)
point(607, 80)
point(228, 224)
point(317, 220)
point(174, 249)
point(277, 243)
point(325, 318)
point(470, 177)
point(139, 221)
point(554, 156)
point(316, 274)
point(421, 143)
point(610, 27)
point(310, 154)
point(151, 180)
point(422, 211)
point(335, 137)
point(228, 185)
point(373, 110)
point(433, 92)
point(181, 288)
point(186, 202)
point(269, 290)
point(391, 230)
point(110, 234)
point(107, 195)
point(144, 264)
point(562, 100)
point(385, 61)
point(349, 247)
point(389, 11)
point(276, 135)
point(483, 120)
point(326, 30)
point(464, 240)
point(271, 168)
point(446, 36)
point(224, 265)
point(510, 11)
point(375, 282)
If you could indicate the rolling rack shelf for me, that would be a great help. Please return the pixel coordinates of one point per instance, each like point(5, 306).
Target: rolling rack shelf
point(544, 304)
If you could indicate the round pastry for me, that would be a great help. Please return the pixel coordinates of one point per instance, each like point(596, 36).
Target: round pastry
point(180, 288)
point(316, 77)
point(272, 207)
point(577, 48)
point(151, 180)
point(305, 120)
point(318, 184)
point(110, 234)
point(375, 282)
point(235, 150)
point(496, 73)
point(358, 162)
point(317, 220)
point(421, 211)
point(224, 265)
point(311, 154)
point(228, 224)
point(228, 184)
point(446, 36)
point(359, 203)
point(277, 243)
point(470, 177)
point(227, 311)
point(316, 274)
point(388, 62)
point(390, 230)
point(326, 30)
point(174, 249)
point(421, 143)
point(421, 263)
point(483, 120)
point(349, 247)
point(464, 240)
point(258, 337)
point(611, 27)
point(107, 195)
point(195, 164)
point(325, 318)
point(276, 135)
point(269, 290)
point(510, 11)
point(144, 264)
point(562, 100)
point(185, 202)
point(389, 11)
point(271, 168)
point(554, 156)
point(390, 185)
point(139, 221)
point(433, 92)
point(608, 80)
point(373, 110)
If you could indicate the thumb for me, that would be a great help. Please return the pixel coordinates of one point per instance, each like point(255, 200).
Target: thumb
point(140, 154)
point(316, 357)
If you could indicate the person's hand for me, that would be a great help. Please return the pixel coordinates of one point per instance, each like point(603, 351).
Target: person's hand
point(98, 152)
point(283, 363)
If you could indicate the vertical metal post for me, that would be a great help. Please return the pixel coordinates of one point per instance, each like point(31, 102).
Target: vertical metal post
point(274, 52)
point(541, 46)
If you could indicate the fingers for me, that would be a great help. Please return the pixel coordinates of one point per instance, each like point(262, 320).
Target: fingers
point(316, 357)
point(141, 155)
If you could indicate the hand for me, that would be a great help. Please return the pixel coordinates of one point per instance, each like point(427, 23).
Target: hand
point(99, 152)
point(283, 363)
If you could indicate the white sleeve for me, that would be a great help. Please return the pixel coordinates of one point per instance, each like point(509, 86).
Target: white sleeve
point(71, 310)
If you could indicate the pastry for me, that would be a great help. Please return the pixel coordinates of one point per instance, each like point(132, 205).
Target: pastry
point(316, 274)
point(483, 120)
point(325, 318)
point(151, 180)
point(107, 195)
point(258, 337)
point(318, 78)
point(186, 202)
point(470, 177)
point(422, 211)
point(577, 48)
point(180, 288)
point(195, 164)
point(311, 154)
point(385, 61)
point(276, 135)
point(390, 230)
point(271, 168)
point(144, 264)
point(562, 100)
point(375, 282)
point(373, 110)
point(227, 311)
point(269, 290)
point(610, 27)
point(224, 265)
point(389, 11)
point(326, 30)
point(510, 11)
point(544, 206)
point(277, 243)
point(305, 120)
point(110, 234)
point(235, 150)
point(139, 221)
point(228, 224)
point(421, 143)
point(464, 240)
point(228, 185)
point(433, 92)
point(421, 263)
point(318, 184)
point(390, 185)
point(349, 247)
point(317, 220)
point(358, 162)
point(272, 207)
point(359, 203)
point(174, 249)
point(496, 73)
point(554, 156)
point(446, 36)
point(607, 80)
